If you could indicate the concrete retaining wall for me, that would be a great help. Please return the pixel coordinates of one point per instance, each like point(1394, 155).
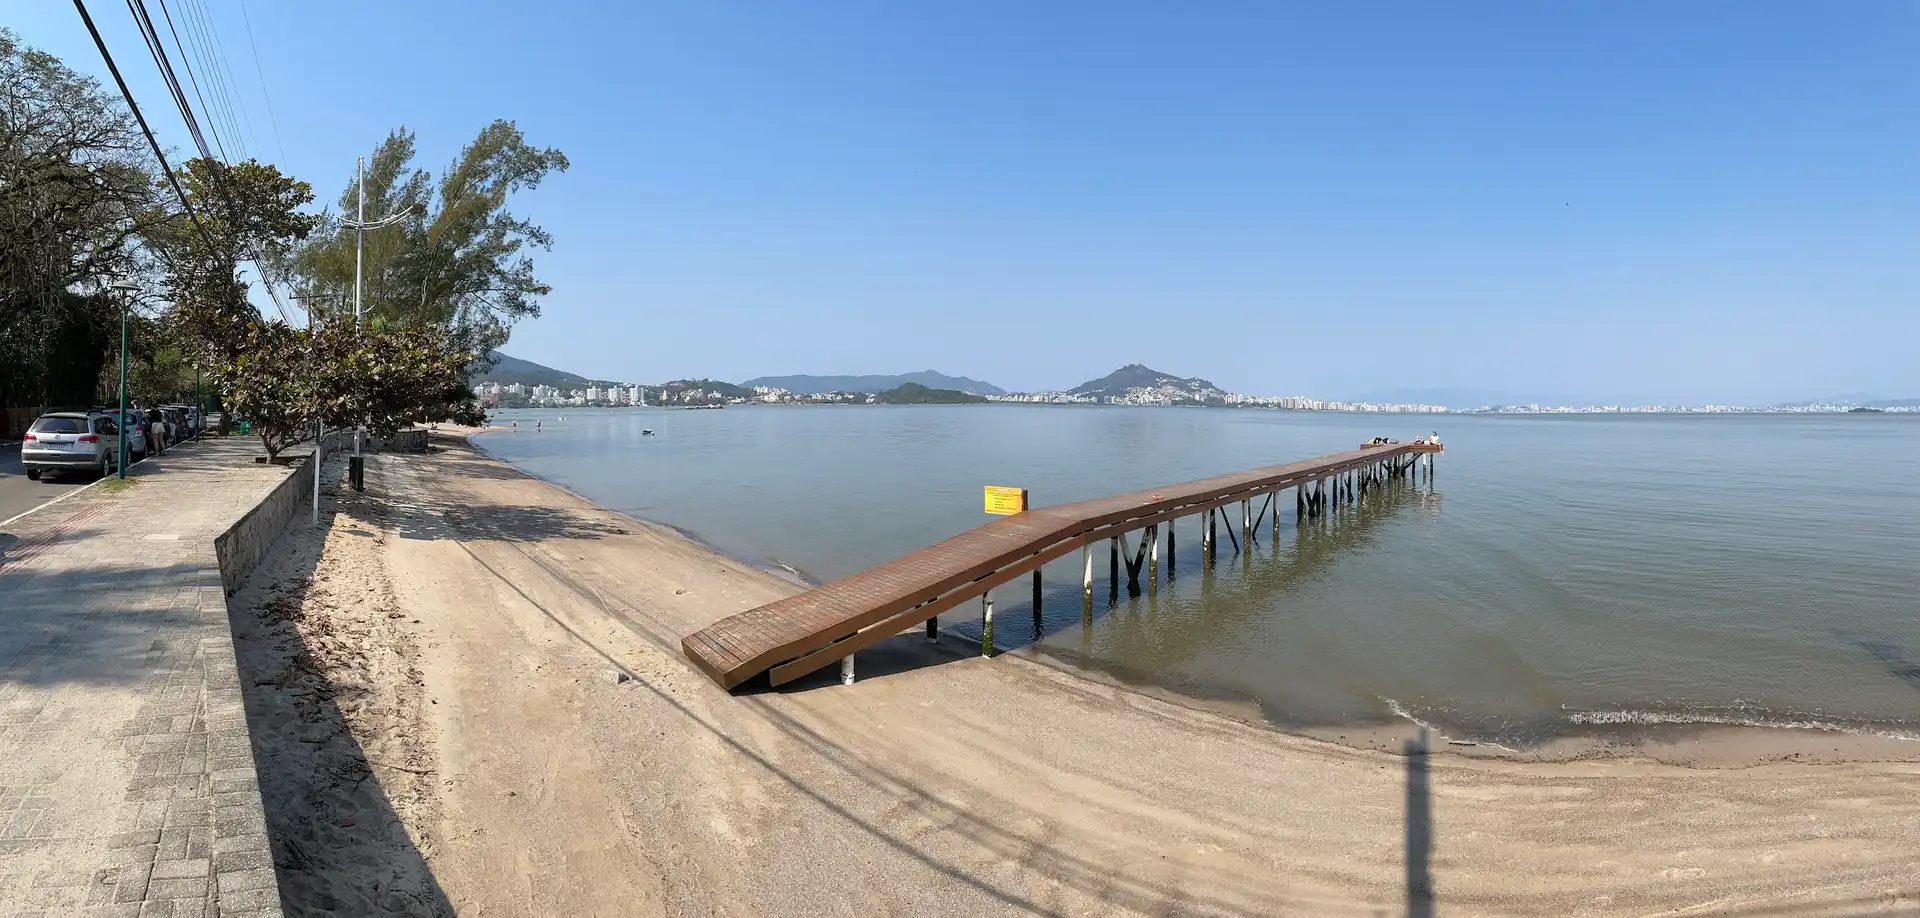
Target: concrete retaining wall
point(244, 543)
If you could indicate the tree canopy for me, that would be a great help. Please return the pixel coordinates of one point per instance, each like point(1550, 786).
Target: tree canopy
point(77, 195)
point(460, 260)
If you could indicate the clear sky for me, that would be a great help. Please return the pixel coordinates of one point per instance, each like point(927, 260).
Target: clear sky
point(1644, 201)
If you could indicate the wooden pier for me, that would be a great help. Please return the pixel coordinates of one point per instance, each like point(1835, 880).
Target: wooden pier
point(802, 633)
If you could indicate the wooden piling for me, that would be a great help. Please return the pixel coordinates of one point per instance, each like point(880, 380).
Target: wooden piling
point(1036, 604)
point(1173, 554)
point(1153, 557)
point(986, 623)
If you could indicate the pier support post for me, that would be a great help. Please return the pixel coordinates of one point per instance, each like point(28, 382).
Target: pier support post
point(1086, 575)
point(1153, 555)
point(1113, 566)
point(1036, 605)
point(846, 670)
point(1299, 502)
point(1172, 555)
point(933, 630)
point(1246, 523)
point(986, 624)
point(1212, 534)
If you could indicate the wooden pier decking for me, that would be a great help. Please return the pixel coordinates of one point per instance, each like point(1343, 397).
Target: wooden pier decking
point(802, 633)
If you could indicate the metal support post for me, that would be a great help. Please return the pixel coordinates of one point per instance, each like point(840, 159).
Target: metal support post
point(846, 670)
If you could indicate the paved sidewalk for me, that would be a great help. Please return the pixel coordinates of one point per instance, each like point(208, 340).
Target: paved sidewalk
point(127, 782)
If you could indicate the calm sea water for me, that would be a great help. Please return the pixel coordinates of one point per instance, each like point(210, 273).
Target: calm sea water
point(1560, 571)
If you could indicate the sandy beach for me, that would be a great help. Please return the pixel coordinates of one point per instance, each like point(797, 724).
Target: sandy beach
point(467, 697)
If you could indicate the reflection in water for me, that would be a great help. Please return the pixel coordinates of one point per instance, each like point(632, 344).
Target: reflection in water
point(1170, 626)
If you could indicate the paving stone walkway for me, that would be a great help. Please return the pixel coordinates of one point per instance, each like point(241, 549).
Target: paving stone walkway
point(127, 782)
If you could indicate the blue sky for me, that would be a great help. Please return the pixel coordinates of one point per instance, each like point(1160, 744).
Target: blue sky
point(1640, 201)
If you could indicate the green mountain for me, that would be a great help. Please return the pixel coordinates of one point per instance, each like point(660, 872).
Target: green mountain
point(508, 370)
point(1139, 376)
point(814, 385)
point(916, 394)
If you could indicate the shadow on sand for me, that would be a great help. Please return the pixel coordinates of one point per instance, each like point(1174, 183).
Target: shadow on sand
point(339, 845)
point(1419, 830)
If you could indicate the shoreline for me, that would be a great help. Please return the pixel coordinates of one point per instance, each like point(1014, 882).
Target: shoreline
point(480, 705)
point(1684, 743)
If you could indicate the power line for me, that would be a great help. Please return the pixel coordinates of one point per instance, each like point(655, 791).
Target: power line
point(191, 78)
point(154, 44)
point(193, 16)
point(127, 94)
point(157, 48)
point(235, 100)
point(275, 122)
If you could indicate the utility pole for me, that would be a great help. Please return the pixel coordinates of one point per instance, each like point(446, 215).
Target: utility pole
point(360, 227)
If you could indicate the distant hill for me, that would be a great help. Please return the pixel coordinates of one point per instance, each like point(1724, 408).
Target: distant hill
point(916, 394)
point(508, 370)
point(1135, 379)
point(726, 389)
point(873, 385)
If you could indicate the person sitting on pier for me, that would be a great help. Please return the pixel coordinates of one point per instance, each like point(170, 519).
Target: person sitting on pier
point(1433, 439)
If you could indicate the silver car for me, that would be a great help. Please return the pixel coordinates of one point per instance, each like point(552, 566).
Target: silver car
point(70, 441)
point(136, 430)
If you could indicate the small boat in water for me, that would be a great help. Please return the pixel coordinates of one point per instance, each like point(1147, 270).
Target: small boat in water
point(646, 431)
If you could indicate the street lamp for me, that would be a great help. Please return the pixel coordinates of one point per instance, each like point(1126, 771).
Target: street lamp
point(126, 289)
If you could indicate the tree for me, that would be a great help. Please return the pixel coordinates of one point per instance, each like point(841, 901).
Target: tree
point(387, 378)
point(77, 193)
point(459, 261)
point(271, 383)
point(384, 378)
point(242, 212)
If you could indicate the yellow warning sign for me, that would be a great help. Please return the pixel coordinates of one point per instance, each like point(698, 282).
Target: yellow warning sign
point(1006, 501)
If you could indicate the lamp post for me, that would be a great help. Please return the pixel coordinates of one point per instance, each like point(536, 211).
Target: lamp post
point(126, 290)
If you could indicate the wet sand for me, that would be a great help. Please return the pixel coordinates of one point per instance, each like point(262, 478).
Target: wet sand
point(581, 766)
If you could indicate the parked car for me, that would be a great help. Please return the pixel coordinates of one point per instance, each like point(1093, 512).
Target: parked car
point(192, 414)
point(70, 441)
point(176, 416)
point(136, 431)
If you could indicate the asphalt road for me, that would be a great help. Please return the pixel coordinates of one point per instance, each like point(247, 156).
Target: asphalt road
point(18, 495)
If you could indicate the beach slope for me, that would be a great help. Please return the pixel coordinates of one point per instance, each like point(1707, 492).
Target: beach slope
point(562, 758)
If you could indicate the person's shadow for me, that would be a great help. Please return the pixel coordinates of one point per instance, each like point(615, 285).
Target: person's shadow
point(1419, 830)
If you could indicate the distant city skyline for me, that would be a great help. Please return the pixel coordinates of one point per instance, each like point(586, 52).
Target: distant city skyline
point(1631, 202)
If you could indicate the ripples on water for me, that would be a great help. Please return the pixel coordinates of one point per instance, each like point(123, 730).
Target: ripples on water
point(1561, 571)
